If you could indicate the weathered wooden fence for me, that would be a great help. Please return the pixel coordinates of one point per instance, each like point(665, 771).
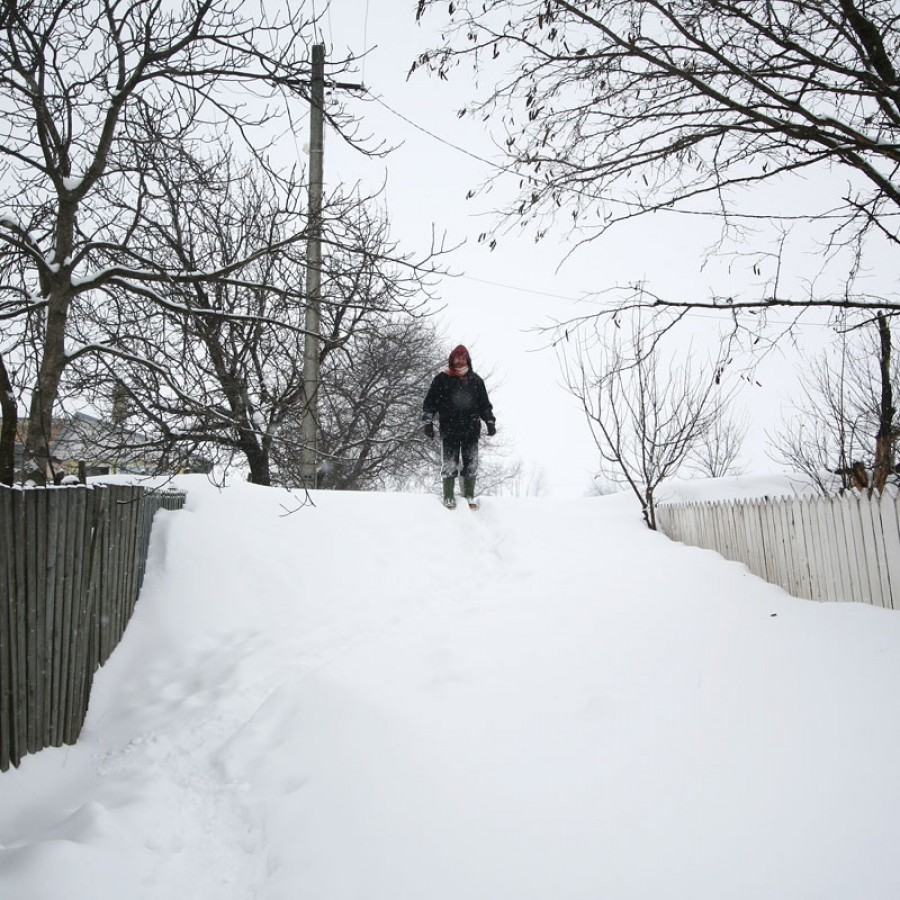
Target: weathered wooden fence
point(71, 564)
point(834, 548)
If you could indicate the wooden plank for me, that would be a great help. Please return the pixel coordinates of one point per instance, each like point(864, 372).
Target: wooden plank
point(699, 515)
point(133, 557)
point(879, 575)
point(826, 550)
point(819, 551)
point(849, 551)
point(132, 553)
point(54, 497)
point(774, 569)
point(80, 665)
point(743, 529)
point(109, 619)
point(127, 540)
point(871, 541)
point(712, 524)
point(842, 586)
point(696, 517)
point(737, 536)
point(121, 537)
point(68, 537)
point(712, 536)
point(810, 545)
point(800, 561)
point(784, 526)
point(888, 512)
point(858, 581)
point(35, 563)
point(7, 595)
point(756, 560)
point(820, 568)
point(101, 583)
point(844, 538)
point(775, 541)
point(20, 631)
point(763, 520)
point(73, 557)
point(737, 549)
point(82, 516)
point(725, 514)
point(152, 502)
point(758, 550)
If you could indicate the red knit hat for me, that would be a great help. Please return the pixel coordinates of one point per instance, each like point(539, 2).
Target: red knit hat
point(460, 350)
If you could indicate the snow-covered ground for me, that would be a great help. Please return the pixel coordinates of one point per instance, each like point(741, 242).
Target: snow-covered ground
point(374, 698)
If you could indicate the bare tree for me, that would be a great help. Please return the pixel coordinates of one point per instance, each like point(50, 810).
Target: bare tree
point(217, 368)
point(843, 423)
point(89, 88)
point(370, 407)
point(613, 109)
point(647, 413)
point(718, 448)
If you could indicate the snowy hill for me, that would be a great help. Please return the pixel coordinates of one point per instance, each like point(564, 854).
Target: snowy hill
point(376, 698)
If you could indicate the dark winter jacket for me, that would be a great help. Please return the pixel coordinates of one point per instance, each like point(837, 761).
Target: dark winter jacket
point(460, 403)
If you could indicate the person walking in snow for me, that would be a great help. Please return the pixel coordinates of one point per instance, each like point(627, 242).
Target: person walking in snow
point(459, 399)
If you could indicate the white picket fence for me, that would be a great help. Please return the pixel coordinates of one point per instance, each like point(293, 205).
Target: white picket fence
point(835, 548)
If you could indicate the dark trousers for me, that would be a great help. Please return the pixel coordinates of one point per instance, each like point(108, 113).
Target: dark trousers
point(456, 446)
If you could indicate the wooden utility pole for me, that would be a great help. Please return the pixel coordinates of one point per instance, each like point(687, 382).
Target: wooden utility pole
point(309, 431)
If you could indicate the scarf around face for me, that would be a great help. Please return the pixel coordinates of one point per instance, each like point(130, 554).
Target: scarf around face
point(461, 372)
point(458, 371)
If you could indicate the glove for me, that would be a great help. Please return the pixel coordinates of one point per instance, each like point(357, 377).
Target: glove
point(491, 429)
point(429, 430)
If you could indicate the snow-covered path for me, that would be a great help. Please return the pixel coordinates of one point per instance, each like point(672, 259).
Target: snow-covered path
point(375, 698)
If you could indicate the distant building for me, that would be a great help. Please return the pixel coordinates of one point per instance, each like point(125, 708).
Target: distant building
point(85, 443)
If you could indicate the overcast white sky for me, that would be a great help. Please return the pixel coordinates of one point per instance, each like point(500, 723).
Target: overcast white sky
point(501, 296)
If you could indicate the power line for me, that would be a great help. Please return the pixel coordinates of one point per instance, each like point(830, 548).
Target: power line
point(441, 140)
point(612, 200)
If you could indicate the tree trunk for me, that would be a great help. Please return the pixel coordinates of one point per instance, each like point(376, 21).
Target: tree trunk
point(884, 439)
point(40, 416)
point(53, 360)
point(8, 427)
point(257, 459)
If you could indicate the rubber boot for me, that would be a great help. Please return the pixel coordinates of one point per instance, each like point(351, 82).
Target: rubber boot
point(468, 486)
point(449, 500)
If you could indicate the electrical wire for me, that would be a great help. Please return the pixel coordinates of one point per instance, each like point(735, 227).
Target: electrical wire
point(612, 200)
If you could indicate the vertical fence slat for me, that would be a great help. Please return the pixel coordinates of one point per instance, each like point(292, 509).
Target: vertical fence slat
point(840, 550)
point(7, 635)
point(855, 551)
point(825, 550)
point(34, 502)
point(85, 645)
point(775, 543)
point(875, 554)
point(887, 510)
point(48, 611)
point(20, 630)
point(71, 562)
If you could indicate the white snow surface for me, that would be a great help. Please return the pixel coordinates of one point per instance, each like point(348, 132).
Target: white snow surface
point(376, 698)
